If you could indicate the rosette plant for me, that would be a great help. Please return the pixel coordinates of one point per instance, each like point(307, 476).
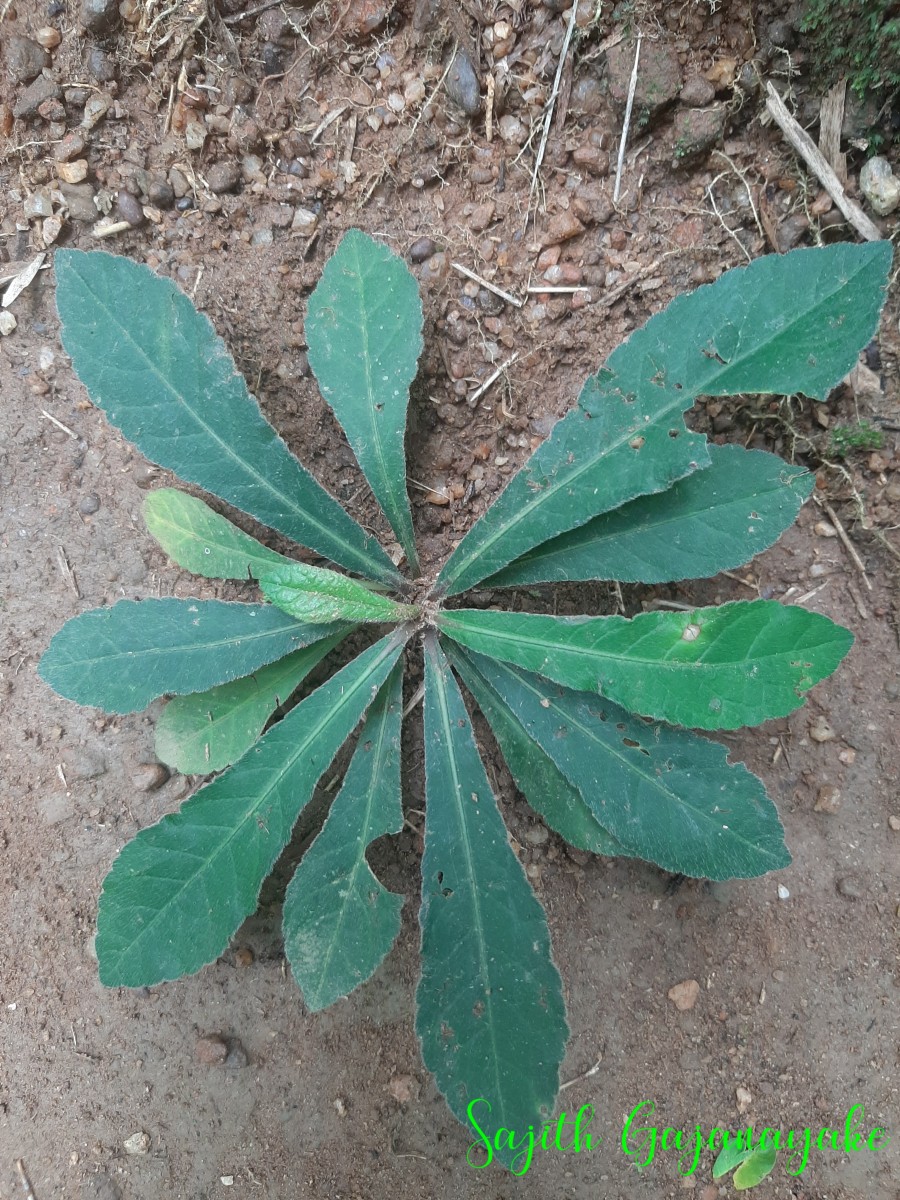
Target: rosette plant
point(593, 714)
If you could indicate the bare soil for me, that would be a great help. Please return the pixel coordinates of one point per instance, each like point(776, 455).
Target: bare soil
point(243, 147)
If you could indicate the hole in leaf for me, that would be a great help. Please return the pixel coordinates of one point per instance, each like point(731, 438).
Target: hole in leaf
point(636, 443)
point(620, 725)
point(674, 433)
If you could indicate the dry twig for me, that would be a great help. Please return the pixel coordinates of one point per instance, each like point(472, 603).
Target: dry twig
point(815, 160)
point(628, 106)
point(491, 287)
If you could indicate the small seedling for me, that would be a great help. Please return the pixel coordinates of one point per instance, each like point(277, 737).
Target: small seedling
point(593, 714)
point(844, 439)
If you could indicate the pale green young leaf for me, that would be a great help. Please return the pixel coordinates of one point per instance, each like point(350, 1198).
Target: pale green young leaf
point(490, 1013)
point(210, 730)
point(154, 364)
point(754, 1169)
point(364, 331)
point(318, 596)
point(670, 796)
point(710, 668)
point(201, 541)
point(121, 658)
point(178, 892)
point(536, 776)
point(785, 323)
point(711, 521)
point(339, 921)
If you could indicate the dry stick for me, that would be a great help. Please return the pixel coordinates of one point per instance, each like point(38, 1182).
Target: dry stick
point(491, 287)
point(848, 545)
point(815, 160)
point(59, 424)
point(585, 1074)
point(479, 392)
point(632, 86)
point(26, 1182)
point(620, 289)
point(545, 133)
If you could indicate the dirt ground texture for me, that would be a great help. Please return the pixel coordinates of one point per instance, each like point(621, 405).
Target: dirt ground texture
point(233, 146)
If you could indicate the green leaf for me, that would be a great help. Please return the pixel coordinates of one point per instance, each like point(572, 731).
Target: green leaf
point(786, 323)
point(339, 922)
point(177, 893)
point(536, 776)
point(490, 1010)
point(669, 796)
point(755, 1169)
point(711, 521)
point(712, 668)
point(364, 330)
point(198, 539)
point(209, 731)
point(121, 658)
point(732, 1154)
point(318, 596)
point(162, 376)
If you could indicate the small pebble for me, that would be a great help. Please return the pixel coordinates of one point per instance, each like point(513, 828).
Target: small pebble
point(850, 888)
point(101, 65)
point(149, 777)
point(537, 835)
point(880, 186)
point(462, 84)
point(89, 504)
point(99, 16)
point(223, 176)
point(72, 172)
point(894, 823)
point(422, 249)
point(783, 893)
point(95, 109)
point(48, 37)
point(138, 1143)
point(685, 995)
point(821, 731)
point(38, 204)
point(130, 208)
point(243, 957)
point(828, 799)
point(144, 474)
point(236, 1059)
point(25, 59)
point(211, 1051)
point(824, 529)
point(7, 323)
point(481, 216)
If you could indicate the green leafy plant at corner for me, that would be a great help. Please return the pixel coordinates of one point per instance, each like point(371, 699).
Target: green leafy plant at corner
point(845, 439)
point(593, 714)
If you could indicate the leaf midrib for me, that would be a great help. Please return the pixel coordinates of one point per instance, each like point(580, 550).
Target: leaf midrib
point(327, 715)
point(630, 763)
point(355, 555)
point(360, 860)
point(479, 924)
point(681, 402)
point(594, 653)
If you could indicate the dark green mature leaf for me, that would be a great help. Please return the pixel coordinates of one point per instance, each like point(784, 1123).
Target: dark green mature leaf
point(210, 730)
point(668, 795)
point(178, 892)
point(121, 658)
point(156, 367)
point(536, 776)
point(711, 521)
point(490, 1009)
point(712, 668)
point(318, 596)
point(201, 541)
point(786, 323)
point(339, 922)
point(364, 330)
